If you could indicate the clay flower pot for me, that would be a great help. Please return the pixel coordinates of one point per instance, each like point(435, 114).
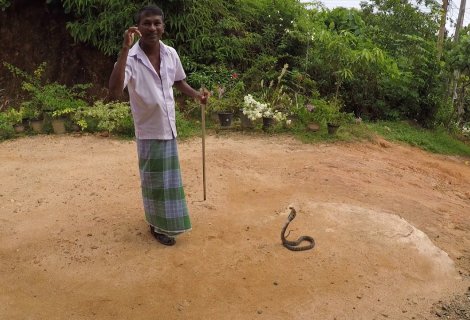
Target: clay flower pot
point(58, 125)
point(19, 128)
point(246, 122)
point(37, 125)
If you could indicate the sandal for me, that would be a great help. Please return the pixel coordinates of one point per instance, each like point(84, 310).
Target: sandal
point(162, 238)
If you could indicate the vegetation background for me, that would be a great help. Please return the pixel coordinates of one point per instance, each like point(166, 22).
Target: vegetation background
point(380, 62)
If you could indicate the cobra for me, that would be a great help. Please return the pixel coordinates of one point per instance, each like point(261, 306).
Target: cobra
point(294, 245)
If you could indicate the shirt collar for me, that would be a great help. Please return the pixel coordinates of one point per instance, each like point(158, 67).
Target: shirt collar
point(136, 50)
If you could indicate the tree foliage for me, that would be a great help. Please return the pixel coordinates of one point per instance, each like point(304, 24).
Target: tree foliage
point(380, 61)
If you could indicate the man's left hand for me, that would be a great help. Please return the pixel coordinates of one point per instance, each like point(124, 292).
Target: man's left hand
point(203, 95)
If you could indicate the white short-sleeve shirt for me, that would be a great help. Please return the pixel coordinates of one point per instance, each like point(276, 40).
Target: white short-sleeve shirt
point(151, 96)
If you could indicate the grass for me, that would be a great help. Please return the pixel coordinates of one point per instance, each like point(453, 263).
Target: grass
point(187, 128)
point(344, 133)
point(436, 141)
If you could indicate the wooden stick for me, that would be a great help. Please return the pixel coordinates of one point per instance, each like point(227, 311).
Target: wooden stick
point(203, 122)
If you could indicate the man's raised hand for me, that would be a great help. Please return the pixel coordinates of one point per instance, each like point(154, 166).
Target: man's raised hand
point(129, 36)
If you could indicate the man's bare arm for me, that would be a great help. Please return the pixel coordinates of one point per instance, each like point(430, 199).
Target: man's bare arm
point(116, 80)
point(185, 88)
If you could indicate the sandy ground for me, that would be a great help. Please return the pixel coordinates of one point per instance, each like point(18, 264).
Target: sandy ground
point(391, 225)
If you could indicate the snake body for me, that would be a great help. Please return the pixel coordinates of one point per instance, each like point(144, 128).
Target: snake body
point(294, 245)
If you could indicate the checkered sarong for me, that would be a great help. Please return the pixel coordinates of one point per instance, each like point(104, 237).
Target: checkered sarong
point(162, 188)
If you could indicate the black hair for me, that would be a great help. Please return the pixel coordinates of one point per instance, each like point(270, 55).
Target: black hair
point(148, 11)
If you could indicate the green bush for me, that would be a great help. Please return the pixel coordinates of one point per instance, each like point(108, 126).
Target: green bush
point(323, 112)
point(14, 116)
point(112, 117)
point(6, 127)
point(52, 98)
point(227, 98)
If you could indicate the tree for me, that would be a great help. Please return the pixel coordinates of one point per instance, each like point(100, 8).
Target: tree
point(442, 28)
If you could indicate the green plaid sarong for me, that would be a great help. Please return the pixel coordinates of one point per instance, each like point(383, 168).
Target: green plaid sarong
point(162, 188)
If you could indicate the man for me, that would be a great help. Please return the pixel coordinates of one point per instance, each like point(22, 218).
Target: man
point(150, 69)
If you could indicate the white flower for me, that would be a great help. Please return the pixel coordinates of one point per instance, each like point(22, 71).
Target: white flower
point(252, 108)
point(256, 110)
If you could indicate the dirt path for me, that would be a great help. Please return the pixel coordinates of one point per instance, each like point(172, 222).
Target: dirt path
point(391, 225)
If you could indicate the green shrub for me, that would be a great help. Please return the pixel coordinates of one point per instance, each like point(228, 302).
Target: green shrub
point(227, 98)
point(112, 117)
point(47, 97)
point(322, 112)
point(6, 127)
point(14, 116)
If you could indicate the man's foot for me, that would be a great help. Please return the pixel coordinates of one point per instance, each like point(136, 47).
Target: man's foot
point(162, 238)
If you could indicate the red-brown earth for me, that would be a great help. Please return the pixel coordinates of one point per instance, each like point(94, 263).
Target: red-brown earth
point(391, 225)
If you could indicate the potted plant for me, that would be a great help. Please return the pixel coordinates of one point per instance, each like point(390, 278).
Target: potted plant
point(254, 110)
point(32, 108)
point(222, 107)
point(49, 99)
point(15, 117)
point(59, 118)
point(337, 119)
point(324, 112)
point(271, 104)
point(33, 115)
point(6, 128)
point(333, 125)
point(225, 102)
point(60, 101)
point(110, 117)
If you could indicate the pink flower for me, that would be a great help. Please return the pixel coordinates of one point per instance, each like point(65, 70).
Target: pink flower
point(234, 75)
point(310, 107)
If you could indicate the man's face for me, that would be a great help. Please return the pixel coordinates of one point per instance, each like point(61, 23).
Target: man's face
point(151, 27)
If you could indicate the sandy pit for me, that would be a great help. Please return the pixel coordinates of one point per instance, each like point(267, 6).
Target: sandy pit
point(391, 225)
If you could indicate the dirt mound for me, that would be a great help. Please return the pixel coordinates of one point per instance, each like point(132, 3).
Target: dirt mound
point(390, 222)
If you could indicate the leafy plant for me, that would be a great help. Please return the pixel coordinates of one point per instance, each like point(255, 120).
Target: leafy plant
point(6, 128)
point(274, 94)
point(322, 111)
point(8, 119)
point(112, 117)
point(226, 98)
point(47, 97)
point(63, 112)
point(14, 116)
